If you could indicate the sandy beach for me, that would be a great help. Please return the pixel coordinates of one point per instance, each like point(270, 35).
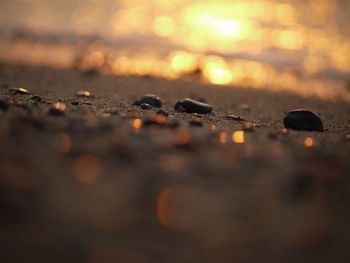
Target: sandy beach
point(101, 180)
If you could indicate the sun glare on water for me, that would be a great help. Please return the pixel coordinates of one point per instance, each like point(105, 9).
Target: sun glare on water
point(292, 46)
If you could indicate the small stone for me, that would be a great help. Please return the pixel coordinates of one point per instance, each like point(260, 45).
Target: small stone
point(36, 98)
point(248, 126)
point(4, 105)
point(196, 123)
point(149, 99)
point(305, 120)
point(57, 109)
point(162, 112)
point(75, 103)
point(235, 117)
point(84, 94)
point(193, 106)
point(145, 106)
point(18, 91)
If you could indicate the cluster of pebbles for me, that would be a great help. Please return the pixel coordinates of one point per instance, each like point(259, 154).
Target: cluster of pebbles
point(299, 119)
point(111, 169)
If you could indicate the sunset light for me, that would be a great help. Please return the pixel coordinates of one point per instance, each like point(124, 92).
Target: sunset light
point(174, 131)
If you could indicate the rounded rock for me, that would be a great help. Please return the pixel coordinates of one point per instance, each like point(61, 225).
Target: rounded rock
point(149, 99)
point(193, 106)
point(18, 91)
point(303, 120)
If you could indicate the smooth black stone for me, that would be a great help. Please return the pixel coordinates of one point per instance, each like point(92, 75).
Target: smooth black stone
point(150, 99)
point(303, 120)
point(162, 112)
point(4, 105)
point(18, 91)
point(36, 98)
point(145, 106)
point(56, 112)
point(75, 103)
point(193, 106)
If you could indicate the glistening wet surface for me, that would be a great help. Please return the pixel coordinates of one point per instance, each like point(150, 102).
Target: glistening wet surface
point(297, 46)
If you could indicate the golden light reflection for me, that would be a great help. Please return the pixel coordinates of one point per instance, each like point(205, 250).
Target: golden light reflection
point(305, 36)
point(86, 169)
point(288, 39)
point(93, 60)
point(217, 71)
point(238, 137)
point(213, 127)
point(23, 90)
point(223, 137)
point(137, 124)
point(60, 106)
point(161, 119)
point(286, 14)
point(164, 26)
point(183, 62)
point(308, 142)
point(183, 136)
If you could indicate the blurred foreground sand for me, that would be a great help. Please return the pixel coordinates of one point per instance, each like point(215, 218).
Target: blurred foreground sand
point(90, 187)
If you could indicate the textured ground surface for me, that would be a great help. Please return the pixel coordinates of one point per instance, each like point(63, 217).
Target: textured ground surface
point(89, 187)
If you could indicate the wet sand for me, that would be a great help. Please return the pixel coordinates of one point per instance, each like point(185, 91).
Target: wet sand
point(89, 187)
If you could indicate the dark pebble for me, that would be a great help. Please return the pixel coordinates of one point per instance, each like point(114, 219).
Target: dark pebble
point(4, 105)
point(235, 117)
point(18, 91)
point(162, 112)
point(193, 106)
point(248, 126)
point(196, 123)
point(150, 99)
point(57, 109)
point(36, 98)
point(305, 120)
point(75, 103)
point(145, 106)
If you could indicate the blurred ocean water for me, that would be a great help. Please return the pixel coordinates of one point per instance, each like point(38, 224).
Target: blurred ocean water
point(298, 46)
